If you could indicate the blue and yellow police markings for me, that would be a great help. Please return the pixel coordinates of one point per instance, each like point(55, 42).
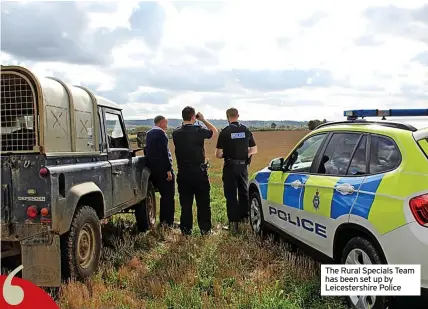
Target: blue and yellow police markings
point(343, 203)
point(293, 195)
point(377, 198)
point(319, 195)
point(386, 212)
point(276, 187)
point(283, 191)
point(262, 179)
point(367, 194)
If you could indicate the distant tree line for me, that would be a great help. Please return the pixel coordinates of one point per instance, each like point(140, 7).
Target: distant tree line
point(132, 132)
point(312, 124)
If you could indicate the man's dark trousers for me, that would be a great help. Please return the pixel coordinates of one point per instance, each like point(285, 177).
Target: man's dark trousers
point(167, 191)
point(235, 186)
point(192, 183)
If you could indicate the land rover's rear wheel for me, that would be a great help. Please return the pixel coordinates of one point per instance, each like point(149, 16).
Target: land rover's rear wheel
point(360, 251)
point(256, 214)
point(145, 211)
point(81, 246)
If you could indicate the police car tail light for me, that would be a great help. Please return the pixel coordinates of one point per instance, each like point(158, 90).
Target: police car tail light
point(419, 207)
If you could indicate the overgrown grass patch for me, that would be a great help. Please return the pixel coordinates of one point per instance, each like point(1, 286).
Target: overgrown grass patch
point(163, 269)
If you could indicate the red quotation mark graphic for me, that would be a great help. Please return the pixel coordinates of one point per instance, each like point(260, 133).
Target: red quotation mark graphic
point(18, 293)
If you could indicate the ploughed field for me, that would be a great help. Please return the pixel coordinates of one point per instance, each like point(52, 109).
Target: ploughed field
point(162, 269)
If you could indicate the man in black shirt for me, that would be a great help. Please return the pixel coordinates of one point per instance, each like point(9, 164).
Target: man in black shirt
point(192, 175)
point(235, 145)
point(159, 160)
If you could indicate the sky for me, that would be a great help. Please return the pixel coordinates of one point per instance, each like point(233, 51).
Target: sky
point(273, 60)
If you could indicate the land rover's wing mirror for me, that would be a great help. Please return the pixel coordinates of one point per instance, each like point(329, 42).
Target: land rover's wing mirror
point(141, 139)
point(276, 164)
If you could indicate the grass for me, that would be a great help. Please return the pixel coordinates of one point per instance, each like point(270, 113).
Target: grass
point(162, 269)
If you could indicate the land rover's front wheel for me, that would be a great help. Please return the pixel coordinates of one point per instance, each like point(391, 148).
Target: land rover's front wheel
point(360, 251)
point(145, 211)
point(81, 246)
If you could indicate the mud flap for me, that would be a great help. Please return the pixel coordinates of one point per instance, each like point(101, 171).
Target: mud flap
point(41, 258)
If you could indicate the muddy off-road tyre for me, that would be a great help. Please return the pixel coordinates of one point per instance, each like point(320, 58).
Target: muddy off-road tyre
point(359, 250)
point(145, 211)
point(81, 245)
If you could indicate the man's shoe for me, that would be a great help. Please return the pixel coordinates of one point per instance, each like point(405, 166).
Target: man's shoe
point(245, 219)
point(233, 227)
point(206, 233)
point(186, 232)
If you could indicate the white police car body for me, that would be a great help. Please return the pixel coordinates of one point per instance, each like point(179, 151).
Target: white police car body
point(355, 191)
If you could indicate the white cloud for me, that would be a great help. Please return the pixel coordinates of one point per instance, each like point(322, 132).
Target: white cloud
point(214, 56)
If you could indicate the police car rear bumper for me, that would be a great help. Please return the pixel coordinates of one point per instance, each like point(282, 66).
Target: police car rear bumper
point(408, 245)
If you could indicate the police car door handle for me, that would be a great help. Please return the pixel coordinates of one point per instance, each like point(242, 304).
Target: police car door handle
point(345, 188)
point(117, 173)
point(296, 184)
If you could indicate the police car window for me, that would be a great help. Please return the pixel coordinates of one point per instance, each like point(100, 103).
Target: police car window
point(384, 155)
point(115, 135)
point(336, 158)
point(358, 164)
point(301, 160)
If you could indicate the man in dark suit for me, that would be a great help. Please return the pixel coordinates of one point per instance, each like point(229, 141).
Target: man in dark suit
point(159, 160)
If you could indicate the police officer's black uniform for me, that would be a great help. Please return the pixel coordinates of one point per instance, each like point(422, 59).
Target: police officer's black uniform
point(235, 140)
point(192, 176)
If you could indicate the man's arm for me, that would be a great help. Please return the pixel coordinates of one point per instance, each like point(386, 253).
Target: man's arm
point(165, 152)
point(220, 145)
point(212, 130)
point(210, 127)
point(252, 149)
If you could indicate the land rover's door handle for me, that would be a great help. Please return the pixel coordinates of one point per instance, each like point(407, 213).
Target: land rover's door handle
point(117, 173)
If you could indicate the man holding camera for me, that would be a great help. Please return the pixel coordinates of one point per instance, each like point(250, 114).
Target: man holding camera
point(192, 174)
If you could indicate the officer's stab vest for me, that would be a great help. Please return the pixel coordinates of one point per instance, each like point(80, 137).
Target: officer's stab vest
point(239, 139)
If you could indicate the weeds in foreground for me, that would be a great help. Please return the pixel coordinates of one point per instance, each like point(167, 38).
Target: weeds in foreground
point(162, 269)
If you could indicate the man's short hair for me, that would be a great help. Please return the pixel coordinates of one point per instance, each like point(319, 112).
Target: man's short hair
point(158, 119)
point(232, 112)
point(187, 113)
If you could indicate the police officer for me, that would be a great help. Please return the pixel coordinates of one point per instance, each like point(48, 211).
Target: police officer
point(192, 174)
point(235, 145)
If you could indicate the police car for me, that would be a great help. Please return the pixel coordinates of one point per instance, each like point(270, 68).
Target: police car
point(355, 191)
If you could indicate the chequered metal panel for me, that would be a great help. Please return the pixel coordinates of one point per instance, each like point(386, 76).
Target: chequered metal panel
point(17, 114)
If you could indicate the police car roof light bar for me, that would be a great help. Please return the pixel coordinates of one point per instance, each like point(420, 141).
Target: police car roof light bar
point(354, 114)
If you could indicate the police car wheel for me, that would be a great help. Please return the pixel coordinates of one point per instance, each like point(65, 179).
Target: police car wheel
point(360, 251)
point(145, 211)
point(256, 214)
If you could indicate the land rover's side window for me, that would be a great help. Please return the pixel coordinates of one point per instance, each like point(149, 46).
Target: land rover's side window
point(116, 137)
point(358, 164)
point(301, 159)
point(384, 155)
point(337, 155)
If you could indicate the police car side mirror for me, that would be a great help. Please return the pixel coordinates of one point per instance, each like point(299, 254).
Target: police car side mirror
point(276, 164)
